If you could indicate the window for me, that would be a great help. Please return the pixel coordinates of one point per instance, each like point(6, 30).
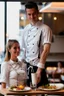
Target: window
point(2, 30)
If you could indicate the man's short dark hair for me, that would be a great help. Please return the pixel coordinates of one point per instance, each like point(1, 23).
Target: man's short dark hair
point(30, 5)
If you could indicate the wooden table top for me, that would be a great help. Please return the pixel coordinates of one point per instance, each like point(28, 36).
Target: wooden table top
point(31, 92)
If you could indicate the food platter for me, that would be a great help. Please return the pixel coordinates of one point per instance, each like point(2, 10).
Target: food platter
point(52, 87)
point(21, 90)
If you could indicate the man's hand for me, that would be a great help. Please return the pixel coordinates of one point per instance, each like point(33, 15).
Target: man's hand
point(39, 70)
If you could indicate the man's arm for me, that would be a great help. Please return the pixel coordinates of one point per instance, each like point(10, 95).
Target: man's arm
point(45, 52)
point(43, 57)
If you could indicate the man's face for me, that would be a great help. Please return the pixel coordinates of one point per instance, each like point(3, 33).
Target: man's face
point(32, 15)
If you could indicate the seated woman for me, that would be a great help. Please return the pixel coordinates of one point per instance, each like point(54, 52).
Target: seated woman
point(13, 71)
point(59, 67)
point(58, 71)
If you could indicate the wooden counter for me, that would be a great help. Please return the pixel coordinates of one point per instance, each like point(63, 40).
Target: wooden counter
point(31, 92)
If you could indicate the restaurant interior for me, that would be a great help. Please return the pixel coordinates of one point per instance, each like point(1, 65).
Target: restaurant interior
point(13, 20)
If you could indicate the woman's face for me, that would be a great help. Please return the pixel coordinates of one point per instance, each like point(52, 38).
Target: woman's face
point(59, 64)
point(15, 50)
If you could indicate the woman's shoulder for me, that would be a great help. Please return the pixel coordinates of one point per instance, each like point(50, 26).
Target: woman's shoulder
point(5, 62)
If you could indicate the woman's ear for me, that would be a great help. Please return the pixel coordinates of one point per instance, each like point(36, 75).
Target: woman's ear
point(9, 50)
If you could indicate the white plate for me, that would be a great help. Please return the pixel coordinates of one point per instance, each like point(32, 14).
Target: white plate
point(25, 89)
point(54, 80)
point(58, 86)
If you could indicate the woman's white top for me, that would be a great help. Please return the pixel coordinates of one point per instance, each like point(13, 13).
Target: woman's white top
point(13, 73)
point(59, 70)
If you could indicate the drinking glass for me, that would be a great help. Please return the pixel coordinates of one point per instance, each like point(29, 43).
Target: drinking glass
point(34, 80)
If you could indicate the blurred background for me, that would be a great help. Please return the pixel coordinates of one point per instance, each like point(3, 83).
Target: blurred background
point(13, 20)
